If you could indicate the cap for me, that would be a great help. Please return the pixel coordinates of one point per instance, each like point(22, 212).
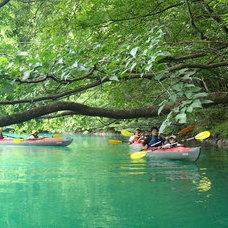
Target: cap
point(172, 137)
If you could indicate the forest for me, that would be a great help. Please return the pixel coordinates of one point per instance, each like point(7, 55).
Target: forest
point(98, 65)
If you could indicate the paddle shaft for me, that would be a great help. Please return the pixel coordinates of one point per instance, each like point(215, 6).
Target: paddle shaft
point(189, 139)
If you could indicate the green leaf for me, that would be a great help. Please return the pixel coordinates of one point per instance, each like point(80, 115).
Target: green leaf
point(198, 95)
point(26, 74)
point(173, 97)
point(160, 109)
point(7, 87)
point(2, 59)
point(134, 51)
point(190, 109)
point(195, 89)
point(188, 94)
point(74, 65)
point(158, 77)
point(133, 66)
point(113, 78)
point(206, 102)
point(196, 104)
point(22, 53)
point(187, 76)
point(181, 118)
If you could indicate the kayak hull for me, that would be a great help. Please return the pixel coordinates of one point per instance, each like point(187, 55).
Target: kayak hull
point(36, 142)
point(176, 153)
point(135, 147)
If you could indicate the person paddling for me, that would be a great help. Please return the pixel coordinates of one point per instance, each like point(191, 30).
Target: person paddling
point(153, 139)
point(172, 142)
point(137, 137)
point(35, 135)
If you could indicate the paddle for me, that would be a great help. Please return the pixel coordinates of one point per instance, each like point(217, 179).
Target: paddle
point(113, 141)
point(141, 154)
point(57, 136)
point(126, 133)
point(18, 140)
point(201, 135)
point(185, 130)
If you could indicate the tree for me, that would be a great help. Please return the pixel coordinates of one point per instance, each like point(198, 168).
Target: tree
point(172, 53)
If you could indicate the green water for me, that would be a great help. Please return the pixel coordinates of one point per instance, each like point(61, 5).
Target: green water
point(94, 184)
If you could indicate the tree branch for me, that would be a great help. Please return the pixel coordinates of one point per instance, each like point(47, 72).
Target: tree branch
point(214, 16)
point(218, 98)
point(193, 22)
point(4, 3)
point(51, 76)
point(57, 96)
point(144, 16)
point(201, 66)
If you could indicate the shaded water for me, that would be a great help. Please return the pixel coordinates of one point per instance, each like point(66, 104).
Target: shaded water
point(94, 184)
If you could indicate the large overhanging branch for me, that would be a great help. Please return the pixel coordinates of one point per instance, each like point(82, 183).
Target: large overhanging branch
point(80, 109)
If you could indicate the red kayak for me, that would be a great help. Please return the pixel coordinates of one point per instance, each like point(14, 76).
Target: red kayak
point(177, 153)
point(36, 142)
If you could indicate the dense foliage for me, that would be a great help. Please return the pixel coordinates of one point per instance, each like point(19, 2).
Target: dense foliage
point(111, 54)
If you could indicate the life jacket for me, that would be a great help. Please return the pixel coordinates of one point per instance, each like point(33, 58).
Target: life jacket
point(137, 138)
point(169, 145)
point(155, 139)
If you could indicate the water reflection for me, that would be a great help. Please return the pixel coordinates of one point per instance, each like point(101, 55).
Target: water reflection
point(203, 184)
point(163, 170)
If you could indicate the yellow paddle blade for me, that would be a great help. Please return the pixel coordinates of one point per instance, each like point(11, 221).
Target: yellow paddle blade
point(126, 133)
point(18, 140)
point(185, 130)
point(138, 155)
point(113, 141)
point(203, 135)
point(57, 136)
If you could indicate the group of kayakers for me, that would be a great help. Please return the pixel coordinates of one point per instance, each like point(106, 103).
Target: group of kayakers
point(154, 139)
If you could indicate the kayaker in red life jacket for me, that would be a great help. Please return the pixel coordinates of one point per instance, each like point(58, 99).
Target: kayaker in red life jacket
point(172, 142)
point(153, 139)
point(137, 137)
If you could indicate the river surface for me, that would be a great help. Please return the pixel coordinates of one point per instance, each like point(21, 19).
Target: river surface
point(94, 184)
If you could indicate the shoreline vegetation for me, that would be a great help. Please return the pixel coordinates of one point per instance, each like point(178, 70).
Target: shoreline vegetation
point(214, 141)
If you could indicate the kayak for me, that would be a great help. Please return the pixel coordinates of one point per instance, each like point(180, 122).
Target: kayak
point(136, 146)
point(36, 142)
point(175, 153)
